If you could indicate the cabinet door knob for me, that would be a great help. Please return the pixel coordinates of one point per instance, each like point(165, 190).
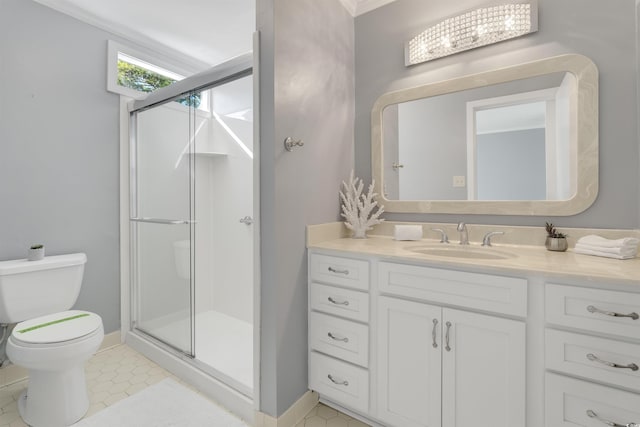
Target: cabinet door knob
point(592, 309)
point(592, 357)
point(446, 337)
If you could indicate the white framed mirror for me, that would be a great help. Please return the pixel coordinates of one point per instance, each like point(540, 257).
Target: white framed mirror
point(521, 140)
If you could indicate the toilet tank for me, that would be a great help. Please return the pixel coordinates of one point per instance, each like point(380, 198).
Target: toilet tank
point(30, 289)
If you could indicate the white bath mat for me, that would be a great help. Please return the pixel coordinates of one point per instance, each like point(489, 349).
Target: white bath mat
point(165, 404)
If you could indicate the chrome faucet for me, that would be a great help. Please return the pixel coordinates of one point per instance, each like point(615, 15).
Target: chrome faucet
point(443, 235)
point(487, 237)
point(464, 236)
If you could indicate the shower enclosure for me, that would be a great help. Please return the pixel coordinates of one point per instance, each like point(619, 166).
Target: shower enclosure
point(191, 223)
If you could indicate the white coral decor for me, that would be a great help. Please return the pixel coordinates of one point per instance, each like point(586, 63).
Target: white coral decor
point(357, 208)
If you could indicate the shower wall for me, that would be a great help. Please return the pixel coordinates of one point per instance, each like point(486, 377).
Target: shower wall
point(223, 194)
point(231, 183)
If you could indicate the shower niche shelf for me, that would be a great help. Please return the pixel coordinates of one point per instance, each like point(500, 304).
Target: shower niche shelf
point(209, 154)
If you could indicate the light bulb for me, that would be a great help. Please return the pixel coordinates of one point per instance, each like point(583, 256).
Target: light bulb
point(509, 22)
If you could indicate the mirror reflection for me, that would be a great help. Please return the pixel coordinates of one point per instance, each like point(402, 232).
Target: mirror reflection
point(510, 141)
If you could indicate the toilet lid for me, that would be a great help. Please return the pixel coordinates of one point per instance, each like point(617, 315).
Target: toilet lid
point(57, 327)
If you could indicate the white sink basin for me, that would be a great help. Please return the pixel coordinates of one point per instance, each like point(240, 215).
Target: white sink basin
point(466, 252)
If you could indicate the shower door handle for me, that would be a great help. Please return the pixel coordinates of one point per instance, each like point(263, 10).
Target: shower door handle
point(163, 221)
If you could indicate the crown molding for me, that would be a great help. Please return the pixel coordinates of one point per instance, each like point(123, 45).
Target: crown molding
point(63, 6)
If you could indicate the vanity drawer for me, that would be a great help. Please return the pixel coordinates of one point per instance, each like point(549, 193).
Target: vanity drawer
point(340, 338)
point(338, 301)
point(339, 381)
point(568, 401)
point(579, 355)
point(593, 309)
point(353, 273)
point(507, 295)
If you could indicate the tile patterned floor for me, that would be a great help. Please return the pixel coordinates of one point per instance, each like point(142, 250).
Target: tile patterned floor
point(120, 371)
point(324, 416)
point(112, 375)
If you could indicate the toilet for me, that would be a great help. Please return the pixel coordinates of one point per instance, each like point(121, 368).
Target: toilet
point(50, 340)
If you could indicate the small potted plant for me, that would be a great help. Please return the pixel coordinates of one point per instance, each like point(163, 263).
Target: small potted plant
point(36, 253)
point(555, 241)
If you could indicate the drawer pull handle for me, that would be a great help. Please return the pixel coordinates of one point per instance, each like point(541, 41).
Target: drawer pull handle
point(333, 380)
point(333, 270)
point(446, 338)
point(592, 309)
point(333, 337)
point(433, 333)
point(592, 357)
point(592, 414)
point(332, 301)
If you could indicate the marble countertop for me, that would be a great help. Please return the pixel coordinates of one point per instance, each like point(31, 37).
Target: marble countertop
point(521, 259)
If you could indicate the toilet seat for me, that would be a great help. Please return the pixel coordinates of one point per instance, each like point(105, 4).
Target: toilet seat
point(54, 348)
point(58, 328)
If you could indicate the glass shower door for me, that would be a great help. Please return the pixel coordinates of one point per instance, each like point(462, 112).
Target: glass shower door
point(163, 224)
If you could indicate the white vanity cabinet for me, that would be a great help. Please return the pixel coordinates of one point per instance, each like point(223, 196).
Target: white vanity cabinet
point(339, 329)
point(444, 348)
point(608, 364)
point(537, 339)
point(440, 366)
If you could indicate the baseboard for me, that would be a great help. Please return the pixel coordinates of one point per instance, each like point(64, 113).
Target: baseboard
point(110, 340)
point(12, 373)
point(291, 416)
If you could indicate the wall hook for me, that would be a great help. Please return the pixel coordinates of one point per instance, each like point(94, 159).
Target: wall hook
point(289, 143)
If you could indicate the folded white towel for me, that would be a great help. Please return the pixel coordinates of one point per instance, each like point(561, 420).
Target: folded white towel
point(594, 240)
point(602, 254)
point(407, 232)
point(625, 250)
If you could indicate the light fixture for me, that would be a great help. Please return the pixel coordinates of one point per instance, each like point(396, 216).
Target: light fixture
point(472, 29)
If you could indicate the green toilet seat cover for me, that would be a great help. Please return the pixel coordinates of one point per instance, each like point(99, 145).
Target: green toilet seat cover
point(57, 327)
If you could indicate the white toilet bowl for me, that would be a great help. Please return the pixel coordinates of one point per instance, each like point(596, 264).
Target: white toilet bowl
point(54, 348)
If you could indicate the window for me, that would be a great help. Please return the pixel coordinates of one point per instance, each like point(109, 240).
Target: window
point(134, 73)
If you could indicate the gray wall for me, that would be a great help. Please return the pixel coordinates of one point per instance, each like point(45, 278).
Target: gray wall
point(59, 147)
point(307, 92)
point(603, 31)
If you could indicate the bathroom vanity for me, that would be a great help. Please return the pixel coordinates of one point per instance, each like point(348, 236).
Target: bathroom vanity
point(423, 334)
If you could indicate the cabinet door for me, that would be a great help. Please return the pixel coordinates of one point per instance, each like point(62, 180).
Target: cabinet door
point(483, 370)
point(409, 357)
